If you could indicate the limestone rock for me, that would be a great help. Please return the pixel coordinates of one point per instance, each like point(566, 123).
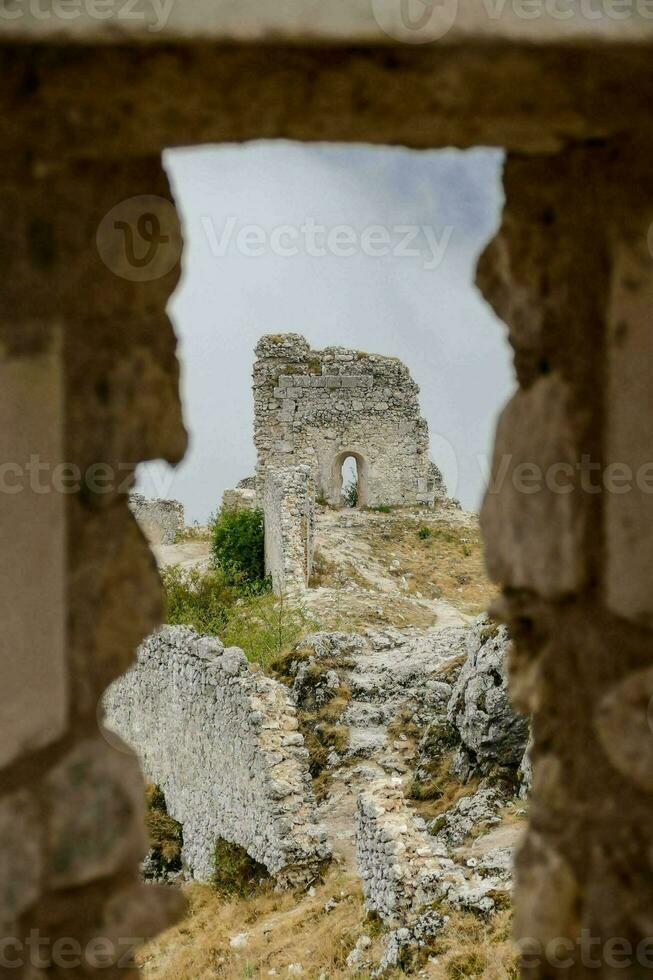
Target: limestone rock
point(491, 732)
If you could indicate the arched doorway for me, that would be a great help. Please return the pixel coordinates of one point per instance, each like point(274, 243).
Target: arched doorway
point(349, 480)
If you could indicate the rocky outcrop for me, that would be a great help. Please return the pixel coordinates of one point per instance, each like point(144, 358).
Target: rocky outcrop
point(492, 734)
point(477, 813)
point(222, 742)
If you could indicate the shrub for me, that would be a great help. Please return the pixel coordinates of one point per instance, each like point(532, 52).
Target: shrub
point(424, 533)
point(202, 600)
point(350, 493)
point(262, 624)
point(238, 546)
point(164, 832)
point(234, 871)
point(266, 626)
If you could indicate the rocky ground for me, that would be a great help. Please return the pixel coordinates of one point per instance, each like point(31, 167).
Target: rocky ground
point(403, 693)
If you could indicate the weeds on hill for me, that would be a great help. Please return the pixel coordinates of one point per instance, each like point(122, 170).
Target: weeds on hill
point(265, 626)
point(234, 871)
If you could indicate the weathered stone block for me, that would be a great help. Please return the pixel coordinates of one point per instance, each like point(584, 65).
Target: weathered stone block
point(20, 856)
point(34, 704)
point(628, 505)
point(95, 806)
point(533, 515)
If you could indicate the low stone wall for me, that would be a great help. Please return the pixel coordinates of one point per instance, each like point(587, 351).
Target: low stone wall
point(404, 869)
point(161, 521)
point(397, 860)
point(222, 742)
point(289, 514)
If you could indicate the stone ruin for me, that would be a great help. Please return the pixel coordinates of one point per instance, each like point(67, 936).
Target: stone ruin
point(89, 373)
point(161, 521)
point(320, 407)
point(222, 743)
point(313, 410)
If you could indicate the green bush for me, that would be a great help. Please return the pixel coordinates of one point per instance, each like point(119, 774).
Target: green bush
point(202, 600)
point(266, 627)
point(350, 493)
point(238, 546)
point(424, 533)
point(262, 624)
point(234, 871)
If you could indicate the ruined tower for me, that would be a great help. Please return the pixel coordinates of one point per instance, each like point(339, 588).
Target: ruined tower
point(320, 407)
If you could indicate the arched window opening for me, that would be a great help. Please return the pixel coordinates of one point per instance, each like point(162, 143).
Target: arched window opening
point(350, 483)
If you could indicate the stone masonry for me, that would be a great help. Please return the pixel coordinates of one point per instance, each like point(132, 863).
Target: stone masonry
point(89, 375)
point(319, 407)
point(222, 742)
point(405, 869)
point(161, 521)
point(289, 512)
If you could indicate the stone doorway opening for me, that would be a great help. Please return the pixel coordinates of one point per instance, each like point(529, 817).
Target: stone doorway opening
point(350, 480)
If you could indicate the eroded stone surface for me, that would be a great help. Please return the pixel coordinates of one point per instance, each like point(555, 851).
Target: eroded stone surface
point(222, 743)
point(95, 801)
point(532, 519)
point(160, 520)
point(492, 733)
point(21, 862)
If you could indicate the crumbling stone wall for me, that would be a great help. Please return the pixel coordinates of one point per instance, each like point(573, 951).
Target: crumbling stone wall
point(289, 516)
point(405, 869)
point(161, 521)
point(397, 860)
point(223, 744)
point(569, 272)
point(318, 407)
point(239, 498)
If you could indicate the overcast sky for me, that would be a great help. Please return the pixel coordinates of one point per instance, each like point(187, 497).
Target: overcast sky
point(396, 279)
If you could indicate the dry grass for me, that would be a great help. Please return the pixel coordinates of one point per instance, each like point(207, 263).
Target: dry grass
point(471, 947)
point(282, 929)
point(445, 564)
point(442, 791)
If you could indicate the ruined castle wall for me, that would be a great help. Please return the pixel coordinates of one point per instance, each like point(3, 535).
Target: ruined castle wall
point(317, 407)
point(396, 857)
point(223, 744)
point(239, 498)
point(289, 515)
point(161, 521)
